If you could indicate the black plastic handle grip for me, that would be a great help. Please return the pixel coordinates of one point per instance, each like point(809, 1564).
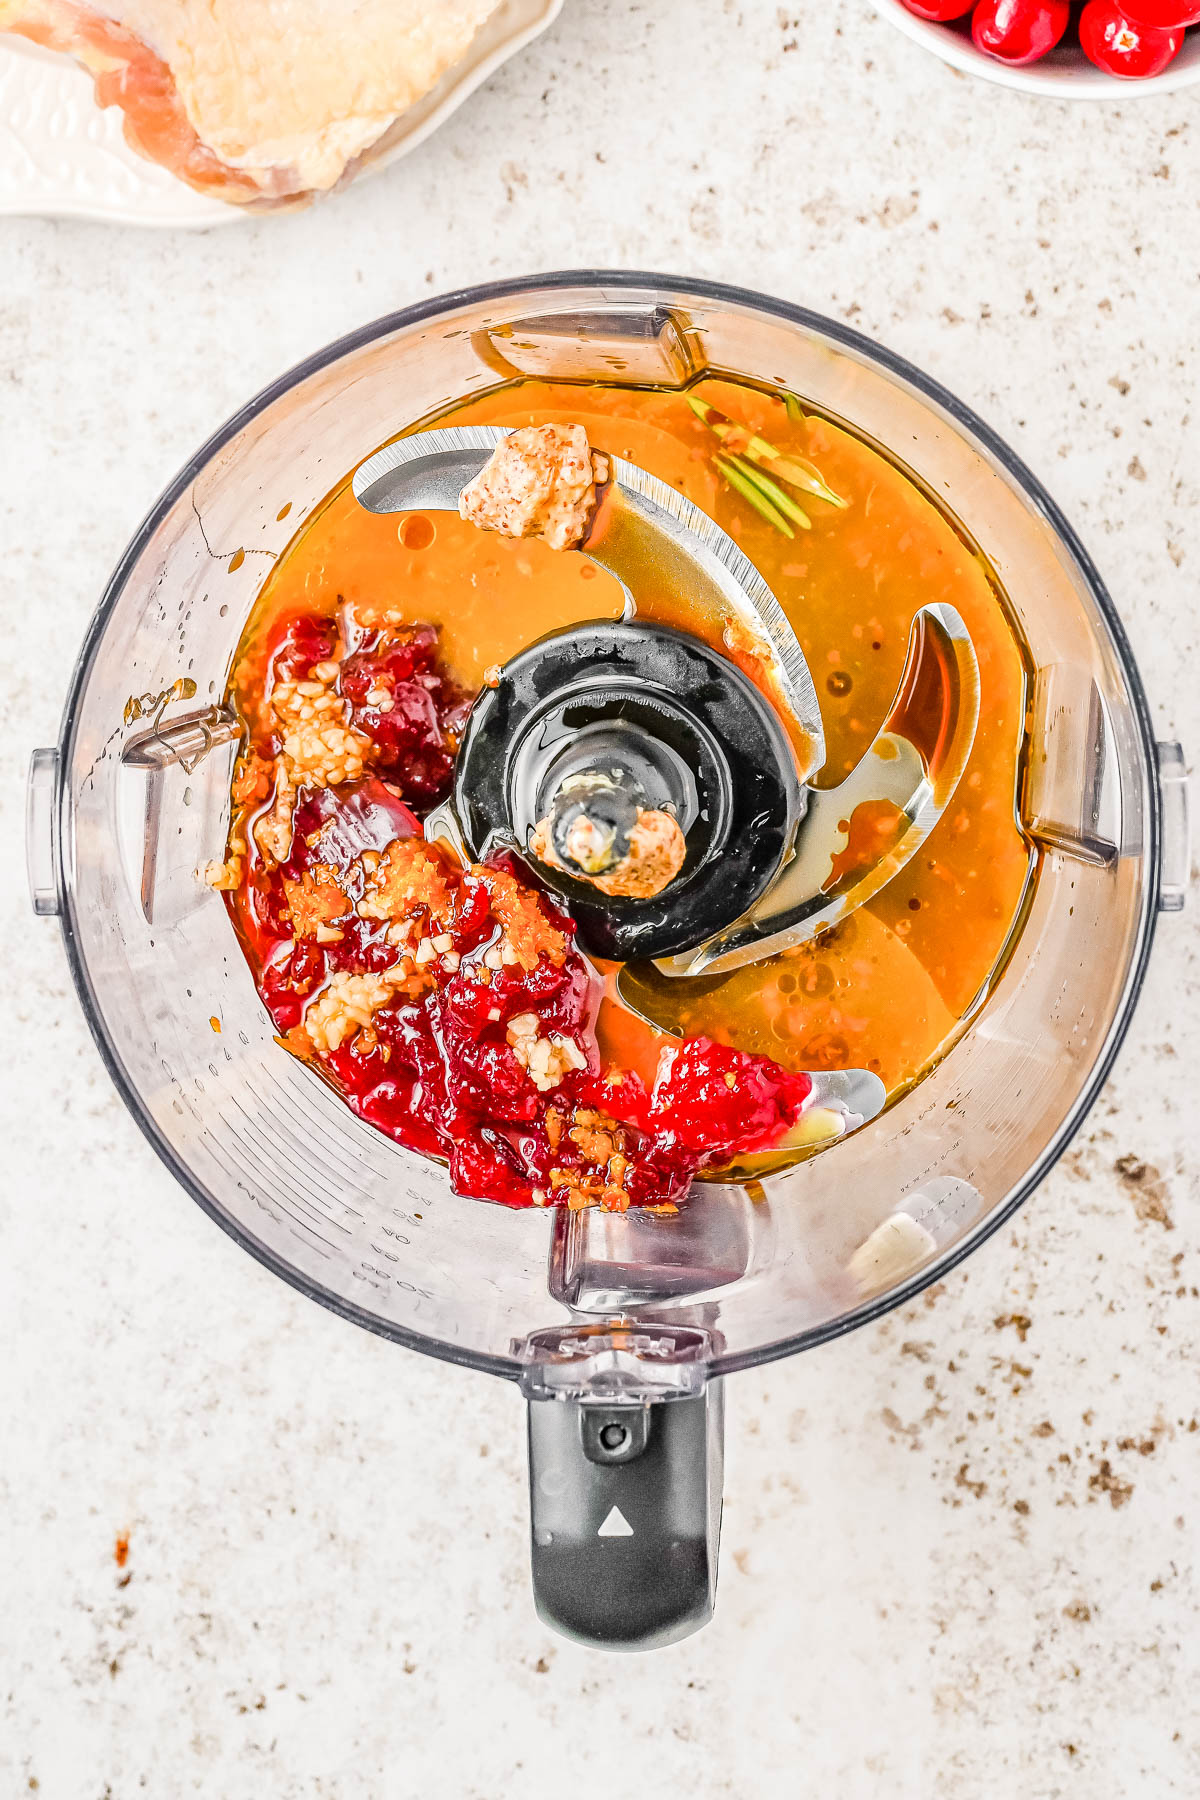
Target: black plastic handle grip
point(625, 1503)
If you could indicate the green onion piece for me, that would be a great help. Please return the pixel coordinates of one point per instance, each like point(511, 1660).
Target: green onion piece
point(753, 496)
point(794, 410)
point(793, 469)
point(773, 492)
point(770, 490)
point(797, 471)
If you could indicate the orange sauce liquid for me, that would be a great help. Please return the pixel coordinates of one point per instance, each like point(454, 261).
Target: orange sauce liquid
point(890, 987)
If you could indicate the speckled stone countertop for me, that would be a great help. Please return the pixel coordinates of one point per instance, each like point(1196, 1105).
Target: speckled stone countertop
point(960, 1553)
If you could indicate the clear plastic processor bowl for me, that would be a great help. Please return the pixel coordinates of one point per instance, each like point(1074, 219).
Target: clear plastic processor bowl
point(618, 1328)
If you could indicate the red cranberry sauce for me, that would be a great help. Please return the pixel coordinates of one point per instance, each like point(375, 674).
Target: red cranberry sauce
point(397, 695)
point(483, 1050)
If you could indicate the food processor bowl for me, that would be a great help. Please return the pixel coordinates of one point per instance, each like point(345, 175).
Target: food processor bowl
point(618, 1327)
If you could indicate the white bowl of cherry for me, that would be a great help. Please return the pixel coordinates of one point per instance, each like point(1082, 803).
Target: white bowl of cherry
point(1070, 49)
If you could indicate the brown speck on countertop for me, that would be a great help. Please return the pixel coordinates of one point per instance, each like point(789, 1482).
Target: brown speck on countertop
point(1078, 1610)
point(962, 1480)
point(1104, 1481)
point(121, 1549)
point(895, 1423)
point(1147, 1189)
point(1019, 1321)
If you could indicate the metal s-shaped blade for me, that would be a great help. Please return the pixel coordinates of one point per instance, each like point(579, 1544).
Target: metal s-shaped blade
point(848, 1098)
point(644, 532)
point(857, 836)
point(426, 472)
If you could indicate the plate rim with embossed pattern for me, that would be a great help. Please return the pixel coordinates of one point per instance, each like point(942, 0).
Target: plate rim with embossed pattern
point(62, 156)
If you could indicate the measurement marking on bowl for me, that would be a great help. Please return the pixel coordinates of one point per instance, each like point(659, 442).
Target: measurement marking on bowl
point(282, 1152)
point(263, 1175)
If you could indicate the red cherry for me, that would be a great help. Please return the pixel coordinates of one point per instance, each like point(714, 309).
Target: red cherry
point(1163, 15)
point(940, 11)
point(1019, 31)
point(1119, 47)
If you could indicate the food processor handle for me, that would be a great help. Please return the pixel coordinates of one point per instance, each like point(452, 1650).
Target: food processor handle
point(625, 1507)
point(625, 1513)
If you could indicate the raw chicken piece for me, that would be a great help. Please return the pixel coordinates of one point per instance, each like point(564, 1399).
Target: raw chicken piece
point(257, 101)
point(540, 482)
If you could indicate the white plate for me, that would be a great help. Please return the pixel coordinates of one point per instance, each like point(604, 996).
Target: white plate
point(1064, 74)
point(61, 155)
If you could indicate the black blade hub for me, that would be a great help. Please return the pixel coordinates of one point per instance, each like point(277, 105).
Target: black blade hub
point(617, 718)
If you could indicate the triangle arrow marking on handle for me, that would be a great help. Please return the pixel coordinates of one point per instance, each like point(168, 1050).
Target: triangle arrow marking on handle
point(615, 1525)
